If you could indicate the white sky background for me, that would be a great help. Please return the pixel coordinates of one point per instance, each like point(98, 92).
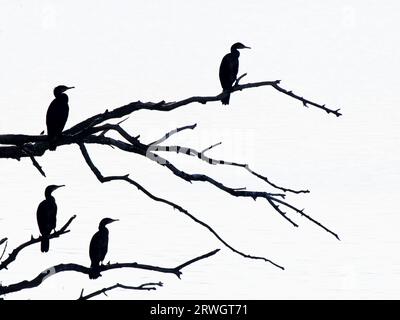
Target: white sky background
point(342, 53)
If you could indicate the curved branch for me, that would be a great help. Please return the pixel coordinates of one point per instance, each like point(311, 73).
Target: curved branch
point(204, 178)
point(145, 286)
point(138, 148)
point(38, 280)
point(13, 255)
point(126, 178)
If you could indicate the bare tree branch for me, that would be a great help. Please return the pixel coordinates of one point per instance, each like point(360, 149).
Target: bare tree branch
point(172, 132)
point(145, 286)
point(126, 178)
point(41, 141)
point(138, 148)
point(187, 177)
point(239, 78)
point(201, 155)
point(210, 147)
point(306, 216)
point(93, 130)
point(34, 162)
point(306, 102)
point(13, 255)
point(5, 247)
point(38, 280)
point(234, 192)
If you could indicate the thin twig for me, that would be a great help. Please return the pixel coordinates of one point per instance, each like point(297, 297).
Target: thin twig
point(240, 78)
point(5, 247)
point(34, 162)
point(172, 132)
point(301, 212)
point(145, 286)
point(3, 240)
point(210, 147)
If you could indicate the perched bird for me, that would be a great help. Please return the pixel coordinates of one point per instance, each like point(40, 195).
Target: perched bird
point(229, 68)
point(98, 247)
point(47, 216)
point(57, 115)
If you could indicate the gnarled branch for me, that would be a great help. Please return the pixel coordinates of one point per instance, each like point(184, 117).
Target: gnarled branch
point(154, 146)
point(126, 178)
point(13, 255)
point(94, 129)
point(38, 280)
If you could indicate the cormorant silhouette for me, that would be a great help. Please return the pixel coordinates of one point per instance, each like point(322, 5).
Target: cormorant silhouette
point(57, 115)
point(47, 216)
point(229, 68)
point(98, 247)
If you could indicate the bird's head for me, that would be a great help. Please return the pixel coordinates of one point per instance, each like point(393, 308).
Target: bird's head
point(239, 45)
point(51, 188)
point(60, 89)
point(106, 221)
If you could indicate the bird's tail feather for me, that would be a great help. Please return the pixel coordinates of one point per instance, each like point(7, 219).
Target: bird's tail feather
point(94, 271)
point(45, 244)
point(52, 144)
point(225, 100)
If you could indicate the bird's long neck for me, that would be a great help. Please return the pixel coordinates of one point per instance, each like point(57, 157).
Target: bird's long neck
point(103, 229)
point(235, 52)
point(61, 97)
point(48, 196)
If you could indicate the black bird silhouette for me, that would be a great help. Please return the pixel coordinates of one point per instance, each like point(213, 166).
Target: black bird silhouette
point(98, 247)
point(47, 216)
point(57, 115)
point(229, 68)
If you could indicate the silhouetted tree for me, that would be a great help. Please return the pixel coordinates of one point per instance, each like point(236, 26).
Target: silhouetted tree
point(94, 130)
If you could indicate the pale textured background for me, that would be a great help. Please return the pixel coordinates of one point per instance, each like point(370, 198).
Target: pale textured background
point(344, 54)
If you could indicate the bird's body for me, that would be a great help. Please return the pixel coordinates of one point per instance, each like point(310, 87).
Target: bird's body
point(46, 215)
point(229, 69)
point(98, 248)
point(57, 115)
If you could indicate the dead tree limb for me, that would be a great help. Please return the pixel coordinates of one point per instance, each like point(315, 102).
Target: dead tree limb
point(5, 247)
point(145, 286)
point(38, 280)
point(126, 178)
point(154, 146)
point(13, 255)
point(94, 129)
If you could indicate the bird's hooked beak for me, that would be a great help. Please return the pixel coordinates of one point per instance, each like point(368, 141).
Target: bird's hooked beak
point(112, 220)
point(245, 47)
point(60, 186)
point(65, 88)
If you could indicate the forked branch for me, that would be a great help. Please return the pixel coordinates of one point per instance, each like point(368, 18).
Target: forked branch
point(13, 255)
point(126, 178)
point(38, 280)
